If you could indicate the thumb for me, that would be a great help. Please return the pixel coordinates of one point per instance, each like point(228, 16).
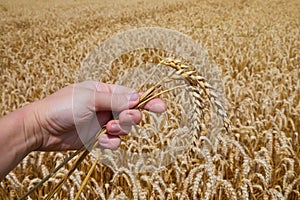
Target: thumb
point(116, 100)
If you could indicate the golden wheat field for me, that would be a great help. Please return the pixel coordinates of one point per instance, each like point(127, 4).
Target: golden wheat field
point(254, 44)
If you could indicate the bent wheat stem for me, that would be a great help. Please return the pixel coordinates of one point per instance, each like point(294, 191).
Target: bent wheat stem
point(183, 72)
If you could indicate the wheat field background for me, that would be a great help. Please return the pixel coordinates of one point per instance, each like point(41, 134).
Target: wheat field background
point(256, 44)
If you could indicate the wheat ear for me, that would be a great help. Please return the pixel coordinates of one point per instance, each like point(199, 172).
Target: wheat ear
point(197, 84)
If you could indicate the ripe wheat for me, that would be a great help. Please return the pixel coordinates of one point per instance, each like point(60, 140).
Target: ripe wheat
point(254, 43)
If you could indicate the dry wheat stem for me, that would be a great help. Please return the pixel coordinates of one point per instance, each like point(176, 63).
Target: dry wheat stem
point(74, 166)
point(181, 72)
point(52, 173)
point(146, 97)
point(86, 179)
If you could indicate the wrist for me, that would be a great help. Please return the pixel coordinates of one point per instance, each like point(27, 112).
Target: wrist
point(31, 130)
point(18, 138)
point(26, 127)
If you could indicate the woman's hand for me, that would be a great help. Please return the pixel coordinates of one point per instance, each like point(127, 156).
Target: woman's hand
point(68, 118)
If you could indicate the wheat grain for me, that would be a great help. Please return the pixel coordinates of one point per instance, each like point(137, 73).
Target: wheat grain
point(229, 191)
point(12, 178)
point(275, 194)
point(196, 183)
point(98, 189)
point(131, 181)
point(72, 192)
point(266, 169)
point(157, 188)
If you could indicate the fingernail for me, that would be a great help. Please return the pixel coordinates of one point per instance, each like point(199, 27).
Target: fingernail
point(115, 127)
point(157, 108)
point(133, 97)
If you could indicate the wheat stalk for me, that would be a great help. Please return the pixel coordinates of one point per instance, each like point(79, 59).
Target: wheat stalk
point(197, 85)
point(85, 181)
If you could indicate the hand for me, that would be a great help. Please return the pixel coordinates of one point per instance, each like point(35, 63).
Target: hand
point(69, 117)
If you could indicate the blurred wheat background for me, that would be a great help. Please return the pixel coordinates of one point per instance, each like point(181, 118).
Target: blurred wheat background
point(256, 44)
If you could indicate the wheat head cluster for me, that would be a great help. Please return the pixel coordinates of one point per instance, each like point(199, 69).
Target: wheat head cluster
point(254, 154)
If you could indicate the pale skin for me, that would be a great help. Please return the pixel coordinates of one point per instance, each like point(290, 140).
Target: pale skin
point(48, 124)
